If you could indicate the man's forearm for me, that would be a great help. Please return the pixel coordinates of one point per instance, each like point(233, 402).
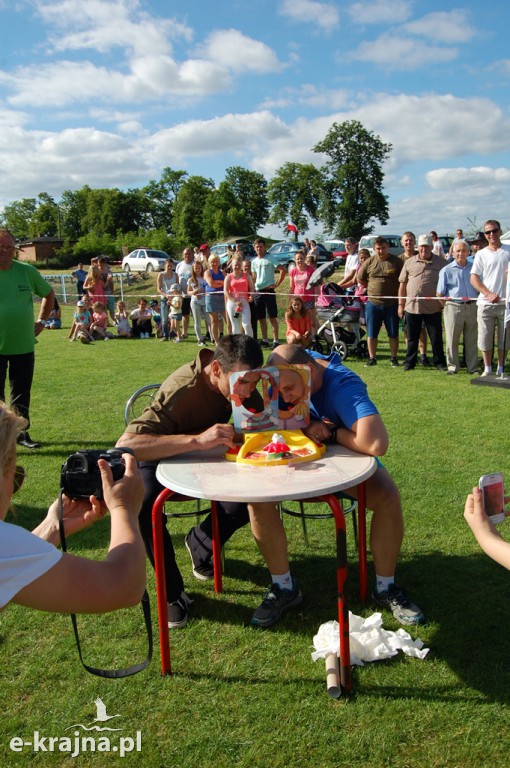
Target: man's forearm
point(154, 447)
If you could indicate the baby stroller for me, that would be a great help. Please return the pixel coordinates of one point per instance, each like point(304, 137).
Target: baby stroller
point(340, 317)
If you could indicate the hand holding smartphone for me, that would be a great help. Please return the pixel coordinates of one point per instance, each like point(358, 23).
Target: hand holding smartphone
point(493, 496)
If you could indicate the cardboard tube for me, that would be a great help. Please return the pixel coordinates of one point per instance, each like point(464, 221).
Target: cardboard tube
point(333, 686)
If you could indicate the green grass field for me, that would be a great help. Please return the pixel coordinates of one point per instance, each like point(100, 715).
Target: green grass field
point(244, 697)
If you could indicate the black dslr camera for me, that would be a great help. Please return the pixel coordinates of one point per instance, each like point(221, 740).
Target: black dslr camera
point(80, 476)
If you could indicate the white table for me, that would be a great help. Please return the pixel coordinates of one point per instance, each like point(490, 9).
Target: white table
point(207, 475)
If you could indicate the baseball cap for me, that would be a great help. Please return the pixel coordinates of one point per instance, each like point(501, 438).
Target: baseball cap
point(175, 287)
point(80, 303)
point(425, 240)
point(203, 247)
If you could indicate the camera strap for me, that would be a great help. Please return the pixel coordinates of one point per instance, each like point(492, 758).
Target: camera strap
point(146, 609)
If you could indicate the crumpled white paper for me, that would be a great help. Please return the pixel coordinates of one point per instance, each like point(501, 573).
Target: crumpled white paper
point(369, 641)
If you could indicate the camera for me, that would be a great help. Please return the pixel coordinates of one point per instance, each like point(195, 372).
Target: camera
point(80, 476)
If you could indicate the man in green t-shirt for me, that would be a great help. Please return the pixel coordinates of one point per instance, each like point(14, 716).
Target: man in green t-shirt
point(18, 283)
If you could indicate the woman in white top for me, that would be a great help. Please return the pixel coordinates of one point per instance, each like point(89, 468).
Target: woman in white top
point(164, 284)
point(34, 573)
point(196, 289)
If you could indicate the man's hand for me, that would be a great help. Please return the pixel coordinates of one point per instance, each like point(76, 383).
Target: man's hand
point(219, 434)
point(401, 311)
point(492, 297)
point(318, 431)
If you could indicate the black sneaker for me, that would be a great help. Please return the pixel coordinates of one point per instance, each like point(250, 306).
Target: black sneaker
point(275, 602)
point(394, 362)
point(202, 569)
point(408, 367)
point(396, 601)
point(370, 362)
point(178, 614)
point(275, 344)
point(264, 343)
point(425, 361)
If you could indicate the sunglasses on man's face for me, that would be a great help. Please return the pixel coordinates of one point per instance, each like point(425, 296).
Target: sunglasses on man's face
point(491, 231)
point(19, 476)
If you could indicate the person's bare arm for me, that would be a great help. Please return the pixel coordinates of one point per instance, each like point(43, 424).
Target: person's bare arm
point(367, 435)
point(485, 532)
point(481, 288)
point(78, 585)
point(151, 447)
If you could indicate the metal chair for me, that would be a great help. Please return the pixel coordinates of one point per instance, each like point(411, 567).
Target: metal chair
point(135, 405)
point(304, 516)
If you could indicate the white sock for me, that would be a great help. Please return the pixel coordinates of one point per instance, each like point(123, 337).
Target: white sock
point(488, 368)
point(283, 580)
point(383, 582)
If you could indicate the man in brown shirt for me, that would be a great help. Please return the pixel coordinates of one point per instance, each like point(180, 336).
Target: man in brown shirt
point(379, 275)
point(418, 279)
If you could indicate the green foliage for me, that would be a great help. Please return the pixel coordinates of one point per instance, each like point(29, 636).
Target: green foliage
point(17, 216)
point(94, 244)
point(294, 194)
point(189, 205)
point(352, 189)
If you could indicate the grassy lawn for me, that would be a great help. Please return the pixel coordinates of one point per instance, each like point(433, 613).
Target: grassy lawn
point(243, 697)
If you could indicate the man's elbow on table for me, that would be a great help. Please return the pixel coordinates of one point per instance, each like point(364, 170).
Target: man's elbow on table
point(372, 436)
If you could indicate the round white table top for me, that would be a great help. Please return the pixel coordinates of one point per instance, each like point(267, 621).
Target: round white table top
point(207, 475)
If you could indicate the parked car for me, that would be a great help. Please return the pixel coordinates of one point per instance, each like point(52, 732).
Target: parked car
point(334, 245)
point(144, 260)
point(395, 246)
point(282, 254)
point(221, 250)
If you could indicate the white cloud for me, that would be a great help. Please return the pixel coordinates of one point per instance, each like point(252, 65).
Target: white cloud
point(401, 53)
point(239, 53)
point(101, 25)
point(309, 95)
point(236, 133)
point(380, 12)
point(324, 15)
point(482, 176)
point(451, 27)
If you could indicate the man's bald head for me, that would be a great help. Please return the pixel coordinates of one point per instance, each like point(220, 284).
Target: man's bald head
point(289, 354)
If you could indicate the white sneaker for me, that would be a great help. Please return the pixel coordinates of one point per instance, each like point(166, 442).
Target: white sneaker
point(486, 373)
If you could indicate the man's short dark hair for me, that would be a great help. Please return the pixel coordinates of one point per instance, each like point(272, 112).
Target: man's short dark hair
point(259, 240)
point(380, 240)
point(493, 223)
point(238, 348)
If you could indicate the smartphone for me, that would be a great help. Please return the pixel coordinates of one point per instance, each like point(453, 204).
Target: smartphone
point(493, 496)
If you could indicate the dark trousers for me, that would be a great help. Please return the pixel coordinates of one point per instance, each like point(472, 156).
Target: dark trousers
point(434, 328)
point(231, 516)
point(21, 374)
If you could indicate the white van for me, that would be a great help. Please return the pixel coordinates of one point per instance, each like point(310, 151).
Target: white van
point(334, 245)
point(395, 246)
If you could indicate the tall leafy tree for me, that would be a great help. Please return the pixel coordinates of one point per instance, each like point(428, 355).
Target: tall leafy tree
point(249, 189)
point(18, 215)
point(352, 190)
point(160, 197)
point(45, 221)
point(188, 225)
point(294, 194)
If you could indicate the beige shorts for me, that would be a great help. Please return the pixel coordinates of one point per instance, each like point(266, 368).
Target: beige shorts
point(488, 316)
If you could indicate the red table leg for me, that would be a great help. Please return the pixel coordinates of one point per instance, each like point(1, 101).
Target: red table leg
point(159, 567)
point(341, 579)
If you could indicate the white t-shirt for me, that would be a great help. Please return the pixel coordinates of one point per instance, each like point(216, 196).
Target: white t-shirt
point(492, 269)
point(184, 271)
point(351, 262)
point(23, 558)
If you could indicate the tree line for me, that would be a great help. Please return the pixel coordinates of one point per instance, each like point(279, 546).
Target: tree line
point(344, 196)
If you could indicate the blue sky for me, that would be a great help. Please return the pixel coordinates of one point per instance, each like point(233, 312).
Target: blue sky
point(108, 92)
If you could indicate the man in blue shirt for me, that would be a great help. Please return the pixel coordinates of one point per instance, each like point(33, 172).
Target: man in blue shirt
point(344, 414)
point(460, 309)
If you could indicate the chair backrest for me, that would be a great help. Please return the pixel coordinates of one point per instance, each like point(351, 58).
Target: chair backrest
point(138, 401)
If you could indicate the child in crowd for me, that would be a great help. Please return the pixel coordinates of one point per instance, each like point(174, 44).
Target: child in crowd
point(156, 316)
point(54, 321)
point(175, 310)
point(81, 324)
point(142, 320)
point(196, 289)
point(122, 321)
point(299, 323)
point(99, 325)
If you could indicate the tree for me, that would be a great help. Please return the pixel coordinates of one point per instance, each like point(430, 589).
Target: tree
point(352, 190)
point(249, 190)
point(17, 217)
point(160, 197)
point(45, 221)
point(294, 195)
point(189, 204)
